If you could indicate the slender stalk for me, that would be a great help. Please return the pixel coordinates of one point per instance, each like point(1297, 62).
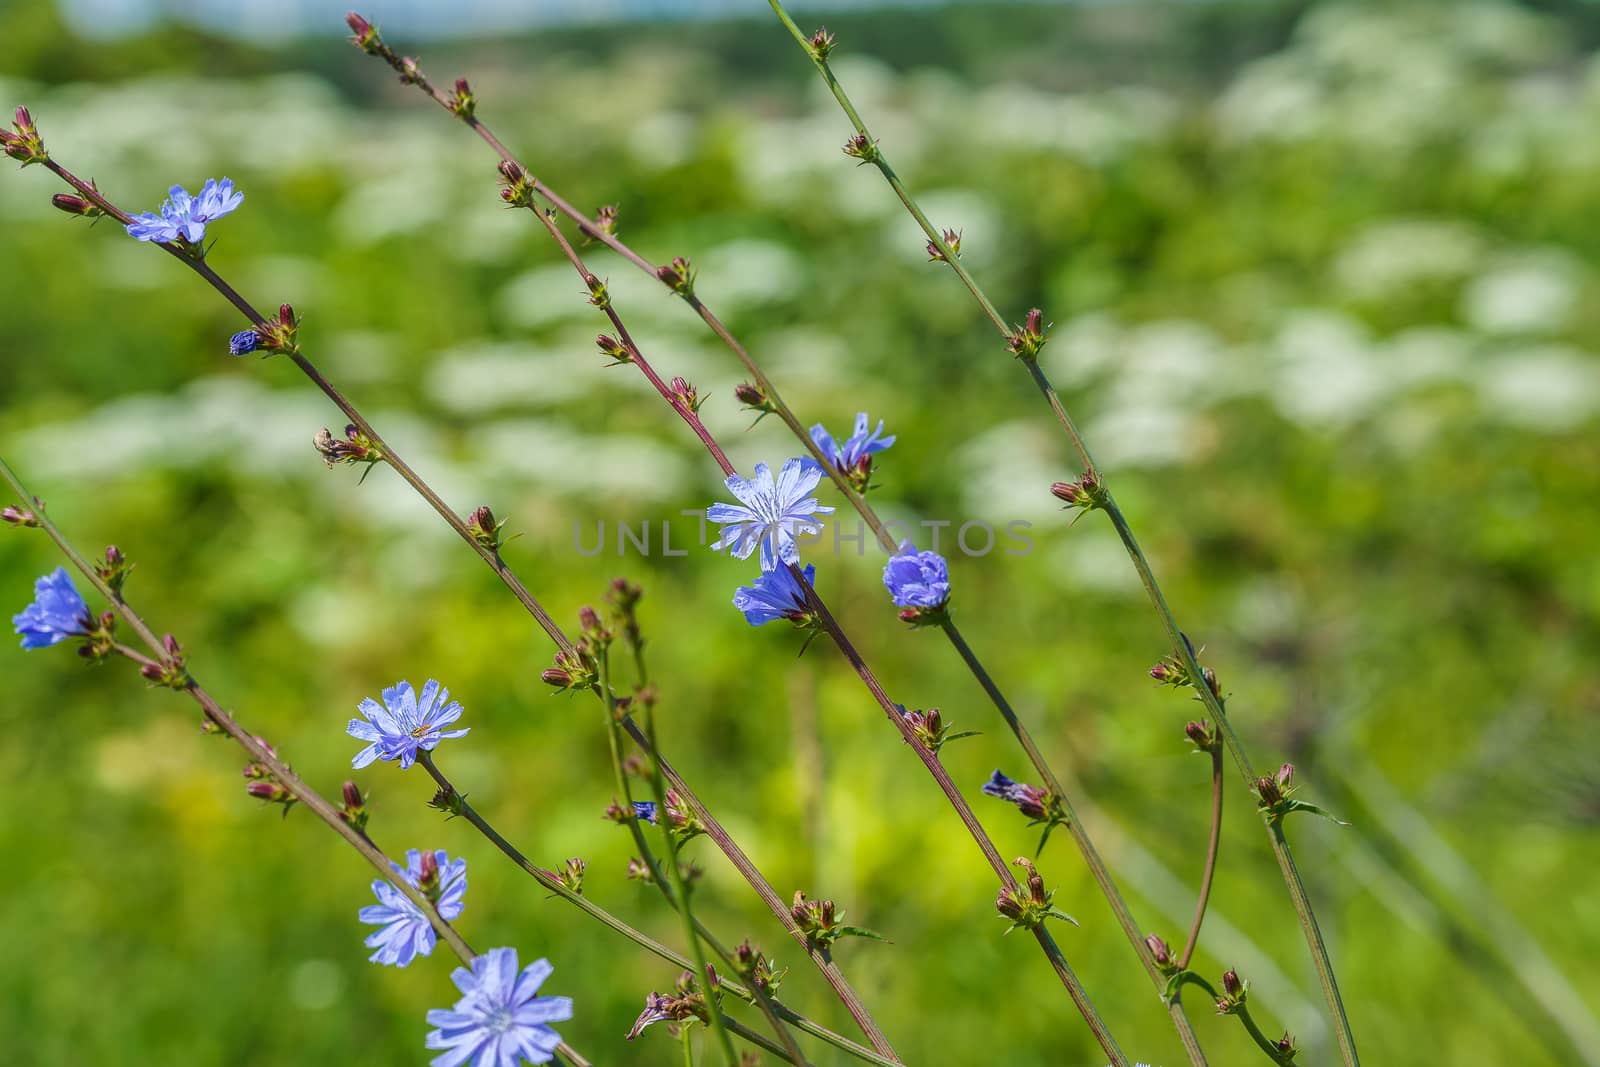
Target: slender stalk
point(258, 751)
point(686, 411)
point(595, 231)
point(549, 881)
point(1296, 887)
point(704, 975)
point(883, 1052)
point(1211, 860)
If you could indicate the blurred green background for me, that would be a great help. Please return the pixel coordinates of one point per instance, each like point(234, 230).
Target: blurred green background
point(1323, 284)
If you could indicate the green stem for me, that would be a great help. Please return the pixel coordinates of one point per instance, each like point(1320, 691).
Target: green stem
point(259, 752)
point(883, 1052)
point(704, 975)
point(1296, 887)
point(1212, 847)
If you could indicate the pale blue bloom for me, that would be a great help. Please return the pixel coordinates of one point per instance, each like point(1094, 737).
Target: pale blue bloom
point(499, 1021)
point(406, 932)
point(775, 595)
point(186, 216)
point(859, 446)
point(917, 579)
point(57, 612)
point(403, 724)
point(770, 513)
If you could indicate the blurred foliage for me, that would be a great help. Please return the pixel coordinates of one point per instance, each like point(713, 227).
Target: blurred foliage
point(1323, 285)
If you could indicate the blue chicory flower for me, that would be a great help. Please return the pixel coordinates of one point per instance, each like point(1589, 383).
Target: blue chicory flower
point(406, 932)
point(770, 513)
point(403, 724)
point(1029, 799)
point(774, 595)
point(858, 447)
point(499, 1021)
point(57, 612)
point(645, 809)
point(186, 216)
point(917, 579)
point(243, 342)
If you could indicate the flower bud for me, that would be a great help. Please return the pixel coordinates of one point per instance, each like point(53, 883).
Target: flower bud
point(484, 529)
point(1160, 951)
point(952, 240)
point(15, 516)
point(1232, 985)
point(75, 205)
point(571, 874)
point(1026, 340)
point(114, 571)
point(615, 349)
point(462, 102)
point(365, 33)
point(678, 275)
point(556, 676)
point(428, 875)
point(1202, 734)
point(862, 147)
point(819, 44)
point(684, 396)
point(354, 811)
point(606, 219)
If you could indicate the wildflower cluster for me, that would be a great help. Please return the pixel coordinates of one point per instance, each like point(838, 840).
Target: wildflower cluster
point(1085, 494)
point(931, 730)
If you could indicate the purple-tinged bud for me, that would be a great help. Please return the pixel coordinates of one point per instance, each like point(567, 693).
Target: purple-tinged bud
point(365, 33)
point(605, 219)
point(952, 240)
point(863, 148)
point(1211, 681)
point(1267, 789)
point(556, 676)
point(151, 671)
point(114, 570)
point(571, 874)
point(516, 185)
point(1202, 734)
point(678, 275)
point(354, 447)
point(75, 205)
point(484, 529)
point(24, 145)
point(1232, 985)
point(428, 875)
point(15, 516)
point(354, 811)
point(1026, 340)
point(639, 870)
point(599, 295)
point(1160, 952)
point(685, 397)
point(588, 619)
point(1286, 1045)
point(462, 102)
point(1009, 905)
point(749, 395)
point(1285, 777)
point(1036, 883)
point(615, 349)
point(819, 44)
point(265, 790)
point(410, 73)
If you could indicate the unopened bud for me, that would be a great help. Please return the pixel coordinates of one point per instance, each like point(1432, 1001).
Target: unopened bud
point(1232, 984)
point(556, 676)
point(1160, 951)
point(15, 516)
point(75, 205)
point(819, 44)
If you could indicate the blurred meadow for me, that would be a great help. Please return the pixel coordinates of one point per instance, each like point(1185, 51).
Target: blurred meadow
point(1323, 281)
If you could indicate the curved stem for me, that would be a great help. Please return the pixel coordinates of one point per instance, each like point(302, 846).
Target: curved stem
point(1296, 888)
point(1211, 859)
